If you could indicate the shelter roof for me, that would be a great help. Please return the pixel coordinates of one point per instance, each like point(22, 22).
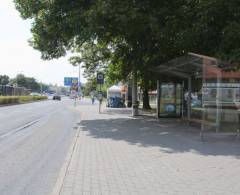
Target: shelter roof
point(190, 65)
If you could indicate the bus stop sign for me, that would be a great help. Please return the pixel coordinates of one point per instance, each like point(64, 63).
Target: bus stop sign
point(100, 78)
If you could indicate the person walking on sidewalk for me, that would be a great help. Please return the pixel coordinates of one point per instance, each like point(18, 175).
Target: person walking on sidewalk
point(92, 97)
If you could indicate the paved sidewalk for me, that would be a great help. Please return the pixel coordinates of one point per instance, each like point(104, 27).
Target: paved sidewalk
point(116, 154)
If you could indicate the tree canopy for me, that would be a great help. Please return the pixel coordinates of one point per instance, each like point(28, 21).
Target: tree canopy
point(4, 79)
point(158, 29)
point(123, 35)
point(28, 82)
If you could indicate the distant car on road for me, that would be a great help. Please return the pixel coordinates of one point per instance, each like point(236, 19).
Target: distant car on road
point(56, 97)
point(35, 94)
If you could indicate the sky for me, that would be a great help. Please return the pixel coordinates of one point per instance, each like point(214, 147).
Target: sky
point(16, 56)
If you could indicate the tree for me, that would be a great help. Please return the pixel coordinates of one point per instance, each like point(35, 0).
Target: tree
point(120, 34)
point(123, 35)
point(44, 86)
point(27, 82)
point(90, 85)
point(161, 29)
point(4, 79)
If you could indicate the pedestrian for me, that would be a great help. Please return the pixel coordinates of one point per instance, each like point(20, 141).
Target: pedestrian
point(93, 99)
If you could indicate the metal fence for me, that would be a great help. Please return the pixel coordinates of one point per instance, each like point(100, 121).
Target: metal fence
point(6, 90)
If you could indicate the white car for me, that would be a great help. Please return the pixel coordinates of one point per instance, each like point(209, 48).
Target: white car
point(35, 94)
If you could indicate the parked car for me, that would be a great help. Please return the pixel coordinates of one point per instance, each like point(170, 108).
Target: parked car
point(56, 97)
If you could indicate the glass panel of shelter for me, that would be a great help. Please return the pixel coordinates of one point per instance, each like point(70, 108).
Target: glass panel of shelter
point(221, 97)
point(170, 100)
point(214, 92)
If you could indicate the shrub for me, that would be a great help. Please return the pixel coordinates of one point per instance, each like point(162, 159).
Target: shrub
point(31, 98)
point(8, 99)
point(20, 99)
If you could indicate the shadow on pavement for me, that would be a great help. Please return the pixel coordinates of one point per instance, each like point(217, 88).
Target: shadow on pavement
point(117, 111)
point(169, 135)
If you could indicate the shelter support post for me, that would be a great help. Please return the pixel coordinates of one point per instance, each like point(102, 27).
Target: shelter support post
point(218, 103)
point(202, 124)
point(203, 101)
point(189, 99)
point(79, 80)
point(158, 99)
point(203, 119)
point(134, 94)
point(182, 103)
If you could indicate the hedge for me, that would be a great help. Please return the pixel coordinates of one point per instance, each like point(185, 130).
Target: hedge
point(20, 99)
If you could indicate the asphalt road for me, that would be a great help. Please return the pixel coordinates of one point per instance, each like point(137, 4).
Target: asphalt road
point(34, 141)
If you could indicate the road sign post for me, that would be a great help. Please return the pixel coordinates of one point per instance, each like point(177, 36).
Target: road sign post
point(100, 78)
point(100, 97)
point(73, 83)
point(100, 81)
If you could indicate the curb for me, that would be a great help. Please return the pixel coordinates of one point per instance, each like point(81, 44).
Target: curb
point(63, 171)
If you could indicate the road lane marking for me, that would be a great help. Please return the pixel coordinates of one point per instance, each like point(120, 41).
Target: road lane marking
point(27, 125)
point(14, 131)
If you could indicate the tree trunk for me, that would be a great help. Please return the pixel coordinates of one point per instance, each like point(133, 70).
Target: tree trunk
point(146, 104)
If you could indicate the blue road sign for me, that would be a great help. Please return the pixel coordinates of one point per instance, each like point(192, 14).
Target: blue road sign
point(100, 78)
point(70, 81)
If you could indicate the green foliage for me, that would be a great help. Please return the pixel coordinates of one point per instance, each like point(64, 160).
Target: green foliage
point(90, 85)
point(23, 81)
point(94, 56)
point(139, 34)
point(8, 99)
point(155, 24)
point(23, 99)
point(4, 79)
point(45, 87)
point(27, 82)
point(20, 99)
point(230, 49)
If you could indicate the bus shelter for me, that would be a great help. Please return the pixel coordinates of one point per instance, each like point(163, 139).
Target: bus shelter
point(200, 89)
